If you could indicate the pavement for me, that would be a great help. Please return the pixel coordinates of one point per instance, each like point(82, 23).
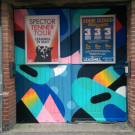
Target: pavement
point(83, 128)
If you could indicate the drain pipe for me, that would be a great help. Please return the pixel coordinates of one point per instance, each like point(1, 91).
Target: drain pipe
point(1, 75)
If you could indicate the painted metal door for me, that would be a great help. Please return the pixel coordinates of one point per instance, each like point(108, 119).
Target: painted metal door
point(99, 91)
point(70, 90)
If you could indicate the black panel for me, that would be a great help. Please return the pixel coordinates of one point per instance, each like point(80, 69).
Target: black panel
point(81, 114)
point(121, 53)
point(91, 70)
point(29, 70)
point(100, 98)
point(19, 39)
point(120, 13)
point(74, 40)
point(24, 115)
point(118, 83)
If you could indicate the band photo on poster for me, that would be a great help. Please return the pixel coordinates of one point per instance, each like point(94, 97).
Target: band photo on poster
point(42, 39)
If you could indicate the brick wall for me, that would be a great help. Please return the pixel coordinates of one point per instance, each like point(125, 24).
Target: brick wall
point(9, 101)
point(131, 56)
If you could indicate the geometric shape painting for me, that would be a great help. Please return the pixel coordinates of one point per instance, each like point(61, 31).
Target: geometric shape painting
point(47, 114)
point(70, 90)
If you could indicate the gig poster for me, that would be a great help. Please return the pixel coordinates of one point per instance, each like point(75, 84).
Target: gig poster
point(42, 39)
point(97, 38)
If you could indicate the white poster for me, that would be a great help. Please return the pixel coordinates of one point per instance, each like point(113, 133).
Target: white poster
point(42, 39)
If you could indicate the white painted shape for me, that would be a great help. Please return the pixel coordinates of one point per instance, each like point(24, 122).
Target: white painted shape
point(59, 69)
point(122, 91)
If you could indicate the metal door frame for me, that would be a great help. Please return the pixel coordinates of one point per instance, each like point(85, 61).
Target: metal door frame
point(1, 79)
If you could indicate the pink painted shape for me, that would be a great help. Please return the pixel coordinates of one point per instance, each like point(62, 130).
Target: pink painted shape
point(44, 116)
point(19, 17)
point(53, 110)
point(65, 60)
point(76, 58)
point(73, 59)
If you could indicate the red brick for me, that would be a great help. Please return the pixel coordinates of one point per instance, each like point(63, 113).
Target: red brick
point(9, 102)
point(131, 56)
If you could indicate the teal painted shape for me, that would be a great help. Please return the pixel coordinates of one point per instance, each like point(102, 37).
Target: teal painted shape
point(36, 108)
point(44, 73)
point(83, 89)
point(19, 55)
point(76, 17)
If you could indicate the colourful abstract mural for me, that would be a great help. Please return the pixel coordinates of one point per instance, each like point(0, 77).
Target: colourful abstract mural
point(70, 91)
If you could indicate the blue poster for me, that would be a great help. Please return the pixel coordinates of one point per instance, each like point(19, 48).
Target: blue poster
point(98, 39)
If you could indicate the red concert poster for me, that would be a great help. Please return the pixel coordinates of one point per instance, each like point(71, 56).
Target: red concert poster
point(42, 39)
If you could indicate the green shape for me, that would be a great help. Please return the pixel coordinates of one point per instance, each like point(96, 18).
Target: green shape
point(43, 76)
point(83, 89)
point(19, 55)
point(44, 72)
point(36, 108)
point(76, 17)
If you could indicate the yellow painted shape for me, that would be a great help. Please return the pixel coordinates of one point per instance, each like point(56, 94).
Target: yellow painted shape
point(30, 98)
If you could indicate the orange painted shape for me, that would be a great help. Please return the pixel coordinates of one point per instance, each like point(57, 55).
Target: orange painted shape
point(30, 98)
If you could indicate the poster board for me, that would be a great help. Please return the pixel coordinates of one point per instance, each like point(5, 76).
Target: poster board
point(97, 39)
point(42, 39)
